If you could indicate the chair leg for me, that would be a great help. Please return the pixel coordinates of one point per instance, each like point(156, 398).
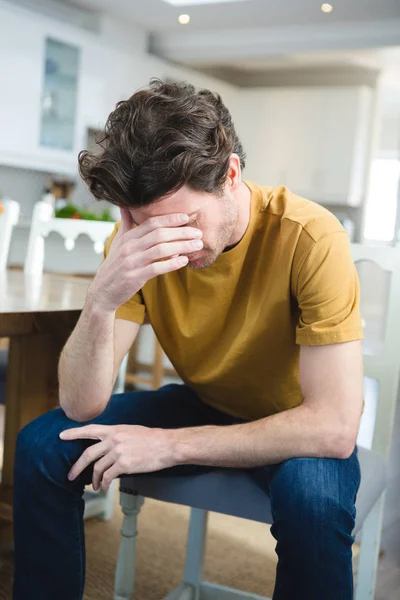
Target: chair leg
point(369, 552)
point(183, 592)
point(196, 546)
point(108, 502)
point(125, 572)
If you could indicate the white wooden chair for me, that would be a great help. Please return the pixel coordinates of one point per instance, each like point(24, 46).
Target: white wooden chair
point(379, 272)
point(97, 504)
point(8, 219)
point(233, 492)
point(44, 223)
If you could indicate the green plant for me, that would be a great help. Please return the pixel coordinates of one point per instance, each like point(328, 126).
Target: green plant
point(70, 211)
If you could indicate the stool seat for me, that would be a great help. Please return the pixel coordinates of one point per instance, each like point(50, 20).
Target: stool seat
point(235, 491)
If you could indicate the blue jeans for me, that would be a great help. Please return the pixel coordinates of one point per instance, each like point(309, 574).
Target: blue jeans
point(312, 500)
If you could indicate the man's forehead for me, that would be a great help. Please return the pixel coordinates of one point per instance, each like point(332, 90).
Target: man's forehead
point(182, 201)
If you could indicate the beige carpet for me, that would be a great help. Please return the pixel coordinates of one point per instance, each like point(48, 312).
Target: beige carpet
point(239, 554)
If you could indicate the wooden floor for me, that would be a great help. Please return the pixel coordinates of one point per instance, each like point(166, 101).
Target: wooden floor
point(388, 580)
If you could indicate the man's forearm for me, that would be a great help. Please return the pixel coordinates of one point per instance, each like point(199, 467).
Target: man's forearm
point(86, 365)
point(298, 432)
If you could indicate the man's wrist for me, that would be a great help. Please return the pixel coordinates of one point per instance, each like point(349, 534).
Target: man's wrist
point(94, 306)
point(177, 446)
point(193, 445)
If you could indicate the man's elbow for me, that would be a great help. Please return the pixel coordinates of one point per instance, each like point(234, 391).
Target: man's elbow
point(80, 416)
point(342, 446)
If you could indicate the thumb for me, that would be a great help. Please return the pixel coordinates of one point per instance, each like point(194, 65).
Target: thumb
point(126, 221)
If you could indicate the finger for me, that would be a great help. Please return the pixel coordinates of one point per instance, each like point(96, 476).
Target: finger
point(126, 222)
point(162, 267)
point(109, 475)
point(134, 244)
point(87, 432)
point(168, 234)
point(99, 468)
point(172, 220)
point(90, 455)
point(171, 249)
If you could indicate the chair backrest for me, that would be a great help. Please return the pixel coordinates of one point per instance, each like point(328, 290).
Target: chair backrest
point(8, 219)
point(44, 223)
point(379, 273)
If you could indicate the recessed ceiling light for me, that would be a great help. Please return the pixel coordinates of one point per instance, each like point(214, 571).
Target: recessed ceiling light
point(198, 2)
point(326, 8)
point(184, 19)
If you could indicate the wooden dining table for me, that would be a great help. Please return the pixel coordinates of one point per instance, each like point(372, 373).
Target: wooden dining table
point(37, 314)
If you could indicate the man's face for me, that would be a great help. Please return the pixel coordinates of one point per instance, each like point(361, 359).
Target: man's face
point(215, 216)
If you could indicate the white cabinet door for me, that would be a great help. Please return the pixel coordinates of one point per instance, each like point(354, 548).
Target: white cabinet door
point(264, 129)
point(303, 139)
point(21, 51)
point(280, 130)
point(314, 140)
point(275, 132)
point(345, 143)
point(250, 124)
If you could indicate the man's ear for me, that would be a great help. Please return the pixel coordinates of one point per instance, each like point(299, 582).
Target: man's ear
point(234, 176)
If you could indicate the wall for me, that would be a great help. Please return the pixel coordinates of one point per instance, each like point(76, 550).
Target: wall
point(389, 144)
point(23, 185)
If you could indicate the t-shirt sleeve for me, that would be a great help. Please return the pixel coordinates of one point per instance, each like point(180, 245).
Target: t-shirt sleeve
point(134, 308)
point(327, 290)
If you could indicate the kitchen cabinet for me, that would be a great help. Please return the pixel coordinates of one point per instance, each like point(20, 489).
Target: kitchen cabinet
point(314, 140)
point(113, 64)
point(58, 102)
point(31, 136)
point(345, 142)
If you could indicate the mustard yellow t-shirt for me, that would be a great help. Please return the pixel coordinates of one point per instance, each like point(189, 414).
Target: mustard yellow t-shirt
point(233, 330)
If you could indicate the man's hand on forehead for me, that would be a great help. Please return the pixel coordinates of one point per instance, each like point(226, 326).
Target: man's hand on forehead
point(155, 247)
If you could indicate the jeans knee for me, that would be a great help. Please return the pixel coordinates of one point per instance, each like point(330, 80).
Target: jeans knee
point(29, 440)
point(38, 443)
point(311, 498)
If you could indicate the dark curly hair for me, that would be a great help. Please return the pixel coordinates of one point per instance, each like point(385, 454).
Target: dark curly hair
point(161, 139)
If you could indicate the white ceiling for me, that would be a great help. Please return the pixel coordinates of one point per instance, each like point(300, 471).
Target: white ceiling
point(259, 35)
point(157, 15)
point(376, 58)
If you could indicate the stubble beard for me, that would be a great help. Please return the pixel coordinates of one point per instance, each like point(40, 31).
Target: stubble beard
point(224, 235)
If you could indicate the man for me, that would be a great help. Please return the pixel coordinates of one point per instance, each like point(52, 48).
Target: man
point(254, 297)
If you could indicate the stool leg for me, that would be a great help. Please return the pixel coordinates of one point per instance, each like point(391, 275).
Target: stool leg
point(125, 572)
point(196, 546)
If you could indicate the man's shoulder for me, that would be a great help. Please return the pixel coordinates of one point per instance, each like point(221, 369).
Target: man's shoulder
point(298, 213)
